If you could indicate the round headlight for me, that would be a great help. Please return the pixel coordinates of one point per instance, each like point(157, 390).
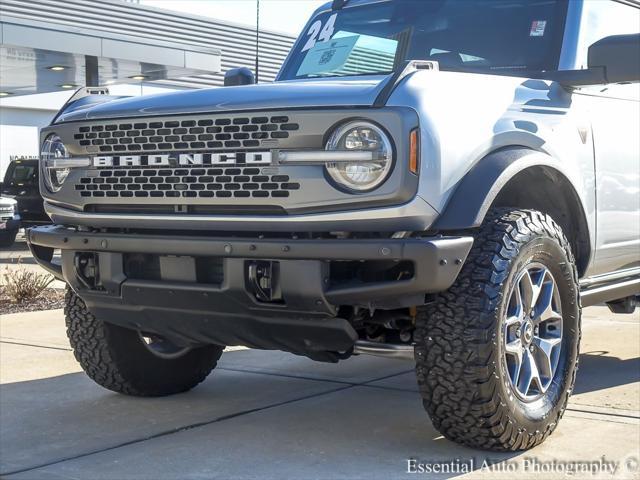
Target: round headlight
point(54, 148)
point(361, 176)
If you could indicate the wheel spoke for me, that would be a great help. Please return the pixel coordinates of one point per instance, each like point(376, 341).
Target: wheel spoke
point(530, 374)
point(519, 303)
point(546, 348)
point(530, 290)
point(511, 321)
point(544, 309)
point(514, 349)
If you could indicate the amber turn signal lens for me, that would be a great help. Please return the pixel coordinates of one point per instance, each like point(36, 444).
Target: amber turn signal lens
point(414, 150)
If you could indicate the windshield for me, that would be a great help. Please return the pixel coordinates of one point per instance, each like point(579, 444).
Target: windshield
point(21, 173)
point(464, 35)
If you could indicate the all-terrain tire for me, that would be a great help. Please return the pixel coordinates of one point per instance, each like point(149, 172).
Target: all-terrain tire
point(461, 372)
point(117, 358)
point(7, 239)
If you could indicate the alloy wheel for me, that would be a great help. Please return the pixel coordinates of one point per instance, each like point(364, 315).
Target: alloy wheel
point(533, 332)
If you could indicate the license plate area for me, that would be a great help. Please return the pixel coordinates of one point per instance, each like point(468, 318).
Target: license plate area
point(174, 268)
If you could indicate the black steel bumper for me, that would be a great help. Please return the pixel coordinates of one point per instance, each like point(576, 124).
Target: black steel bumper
point(228, 313)
point(12, 224)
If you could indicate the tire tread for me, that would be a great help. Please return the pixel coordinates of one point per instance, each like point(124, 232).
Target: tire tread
point(456, 344)
point(92, 341)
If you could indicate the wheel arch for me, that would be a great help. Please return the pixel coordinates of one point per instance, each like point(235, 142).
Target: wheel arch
point(504, 178)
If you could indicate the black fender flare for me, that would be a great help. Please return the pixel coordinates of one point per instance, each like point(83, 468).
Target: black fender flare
point(480, 187)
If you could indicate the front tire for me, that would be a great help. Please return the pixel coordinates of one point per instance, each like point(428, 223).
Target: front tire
point(497, 354)
point(127, 362)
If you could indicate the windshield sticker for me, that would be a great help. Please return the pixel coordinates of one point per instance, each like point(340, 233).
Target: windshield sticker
point(328, 56)
point(318, 33)
point(537, 28)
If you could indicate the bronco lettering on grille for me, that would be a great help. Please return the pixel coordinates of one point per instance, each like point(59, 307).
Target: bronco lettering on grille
point(245, 158)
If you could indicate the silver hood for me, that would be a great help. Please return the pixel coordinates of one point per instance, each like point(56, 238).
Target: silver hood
point(335, 92)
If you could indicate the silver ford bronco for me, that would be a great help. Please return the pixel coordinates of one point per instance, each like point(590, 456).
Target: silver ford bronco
point(445, 181)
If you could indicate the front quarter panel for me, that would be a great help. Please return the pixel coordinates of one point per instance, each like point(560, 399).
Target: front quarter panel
point(464, 117)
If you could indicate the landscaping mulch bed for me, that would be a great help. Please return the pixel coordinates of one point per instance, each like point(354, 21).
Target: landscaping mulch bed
point(50, 299)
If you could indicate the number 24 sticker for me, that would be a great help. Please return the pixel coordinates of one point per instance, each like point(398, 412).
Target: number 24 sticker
point(318, 33)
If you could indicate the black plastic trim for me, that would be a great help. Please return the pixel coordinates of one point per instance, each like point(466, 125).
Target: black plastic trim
point(476, 192)
point(230, 313)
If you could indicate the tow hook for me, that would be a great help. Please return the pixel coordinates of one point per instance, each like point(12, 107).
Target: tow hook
point(86, 269)
point(264, 281)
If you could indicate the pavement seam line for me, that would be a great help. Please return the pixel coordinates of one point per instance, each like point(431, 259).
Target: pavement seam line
point(604, 414)
point(316, 379)
point(176, 430)
point(204, 424)
point(36, 346)
point(284, 375)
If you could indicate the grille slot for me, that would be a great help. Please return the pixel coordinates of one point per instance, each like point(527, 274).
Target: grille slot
point(219, 182)
point(219, 133)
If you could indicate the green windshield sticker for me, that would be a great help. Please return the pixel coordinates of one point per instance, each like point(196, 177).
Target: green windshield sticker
point(328, 56)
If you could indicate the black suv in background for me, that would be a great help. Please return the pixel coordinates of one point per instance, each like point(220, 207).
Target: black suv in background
point(21, 183)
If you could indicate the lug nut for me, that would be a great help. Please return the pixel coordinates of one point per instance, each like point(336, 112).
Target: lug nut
point(518, 333)
point(531, 348)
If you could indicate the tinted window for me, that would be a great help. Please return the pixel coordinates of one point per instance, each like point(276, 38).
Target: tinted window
point(23, 173)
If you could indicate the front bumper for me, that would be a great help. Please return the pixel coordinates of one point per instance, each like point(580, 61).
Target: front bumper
point(11, 224)
point(414, 216)
point(227, 312)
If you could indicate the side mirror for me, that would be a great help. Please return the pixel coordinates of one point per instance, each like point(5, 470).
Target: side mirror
point(239, 76)
point(618, 56)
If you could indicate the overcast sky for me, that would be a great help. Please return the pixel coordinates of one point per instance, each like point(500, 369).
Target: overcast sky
point(287, 16)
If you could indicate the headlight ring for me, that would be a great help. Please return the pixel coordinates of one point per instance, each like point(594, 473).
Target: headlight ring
point(361, 177)
point(53, 148)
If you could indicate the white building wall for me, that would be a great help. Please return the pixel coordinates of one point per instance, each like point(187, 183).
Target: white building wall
point(19, 133)
point(22, 117)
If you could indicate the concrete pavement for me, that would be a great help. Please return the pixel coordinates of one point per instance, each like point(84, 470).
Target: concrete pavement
point(275, 415)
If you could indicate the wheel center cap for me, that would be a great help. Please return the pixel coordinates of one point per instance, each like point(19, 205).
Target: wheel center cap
point(527, 332)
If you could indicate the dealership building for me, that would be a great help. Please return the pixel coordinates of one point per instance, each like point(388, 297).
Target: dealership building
point(49, 48)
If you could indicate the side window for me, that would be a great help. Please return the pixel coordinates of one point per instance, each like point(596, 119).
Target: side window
point(603, 18)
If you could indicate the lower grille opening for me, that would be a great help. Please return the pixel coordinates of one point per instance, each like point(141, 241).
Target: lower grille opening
point(183, 210)
point(350, 273)
point(203, 270)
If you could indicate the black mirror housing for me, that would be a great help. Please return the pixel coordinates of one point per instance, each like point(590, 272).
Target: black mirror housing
point(618, 56)
point(239, 76)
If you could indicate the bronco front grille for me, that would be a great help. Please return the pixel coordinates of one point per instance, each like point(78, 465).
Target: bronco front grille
point(219, 182)
point(169, 135)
